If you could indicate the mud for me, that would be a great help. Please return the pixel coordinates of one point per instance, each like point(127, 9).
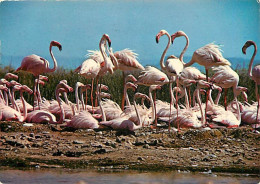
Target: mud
point(48, 146)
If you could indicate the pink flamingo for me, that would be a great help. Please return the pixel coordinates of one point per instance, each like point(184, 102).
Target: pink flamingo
point(42, 116)
point(173, 65)
point(126, 61)
point(226, 78)
point(124, 123)
point(254, 73)
point(37, 65)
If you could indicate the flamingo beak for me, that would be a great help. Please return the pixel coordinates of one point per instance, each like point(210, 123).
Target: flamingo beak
point(157, 38)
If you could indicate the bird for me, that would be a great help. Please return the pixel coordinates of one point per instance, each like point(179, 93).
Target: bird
point(124, 123)
point(152, 76)
point(254, 73)
point(173, 65)
point(126, 61)
point(37, 65)
point(226, 78)
point(42, 116)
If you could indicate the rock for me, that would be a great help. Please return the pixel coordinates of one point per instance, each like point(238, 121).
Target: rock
point(140, 158)
point(38, 136)
point(100, 151)
point(78, 142)
point(31, 134)
point(146, 146)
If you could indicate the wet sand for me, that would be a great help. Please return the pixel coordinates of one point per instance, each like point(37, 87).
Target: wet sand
point(48, 146)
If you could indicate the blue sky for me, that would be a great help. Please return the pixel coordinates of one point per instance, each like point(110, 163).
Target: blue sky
point(27, 27)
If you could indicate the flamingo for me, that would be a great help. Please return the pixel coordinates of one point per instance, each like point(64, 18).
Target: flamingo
point(254, 73)
point(226, 78)
point(5, 83)
point(2, 88)
point(152, 76)
point(126, 61)
point(7, 77)
point(9, 113)
point(37, 65)
point(42, 116)
point(173, 65)
point(123, 123)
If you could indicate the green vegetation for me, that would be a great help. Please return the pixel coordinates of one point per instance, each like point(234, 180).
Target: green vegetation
point(114, 82)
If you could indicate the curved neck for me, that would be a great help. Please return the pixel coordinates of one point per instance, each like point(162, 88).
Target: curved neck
point(203, 120)
point(24, 106)
point(126, 97)
point(138, 115)
point(186, 98)
point(54, 61)
point(38, 90)
point(210, 97)
point(173, 100)
point(62, 113)
point(252, 60)
point(14, 102)
point(102, 48)
point(185, 48)
point(218, 97)
point(101, 107)
point(164, 52)
point(152, 105)
point(238, 109)
point(82, 99)
point(77, 96)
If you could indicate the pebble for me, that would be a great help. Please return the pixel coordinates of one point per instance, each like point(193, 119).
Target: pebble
point(78, 142)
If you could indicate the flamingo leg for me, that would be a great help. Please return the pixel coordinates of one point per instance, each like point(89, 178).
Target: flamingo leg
point(225, 98)
point(155, 122)
point(96, 100)
point(91, 95)
point(207, 94)
point(123, 96)
point(35, 92)
point(169, 126)
point(189, 96)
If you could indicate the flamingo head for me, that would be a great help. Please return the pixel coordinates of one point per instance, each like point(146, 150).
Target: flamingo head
point(130, 78)
point(203, 91)
point(4, 81)
point(177, 34)
point(11, 76)
point(41, 82)
point(105, 95)
point(141, 95)
point(155, 87)
point(131, 85)
point(247, 44)
point(17, 87)
point(56, 44)
point(79, 84)
point(161, 33)
point(27, 89)
point(104, 87)
point(42, 77)
point(88, 86)
point(64, 85)
point(3, 88)
point(203, 84)
point(13, 83)
point(106, 37)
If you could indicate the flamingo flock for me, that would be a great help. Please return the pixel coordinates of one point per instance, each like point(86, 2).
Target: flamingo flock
point(105, 113)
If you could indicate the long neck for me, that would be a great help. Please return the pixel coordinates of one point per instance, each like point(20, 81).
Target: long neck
point(218, 97)
point(77, 96)
point(138, 115)
point(126, 97)
point(251, 61)
point(186, 98)
point(164, 52)
point(238, 109)
point(24, 106)
point(203, 120)
point(6, 96)
point(102, 50)
point(152, 105)
point(173, 100)
point(14, 102)
point(82, 99)
point(39, 93)
point(101, 107)
point(54, 61)
point(185, 48)
point(62, 113)
point(210, 97)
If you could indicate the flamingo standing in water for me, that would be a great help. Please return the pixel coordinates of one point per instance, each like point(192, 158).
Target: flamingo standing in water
point(253, 73)
point(37, 65)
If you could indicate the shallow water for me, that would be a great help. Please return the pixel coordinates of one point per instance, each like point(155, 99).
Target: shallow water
point(131, 177)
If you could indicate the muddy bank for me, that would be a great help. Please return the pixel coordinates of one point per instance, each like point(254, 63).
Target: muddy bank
point(46, 146)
